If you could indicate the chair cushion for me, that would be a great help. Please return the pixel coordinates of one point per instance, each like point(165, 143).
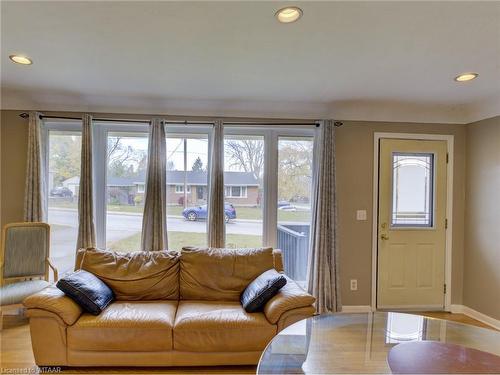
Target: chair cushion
point(220, 274)
point(211, 326)
point(261, 290)
point(140, 275)
point(14, 293)
point(126, 326)
point(87, 290)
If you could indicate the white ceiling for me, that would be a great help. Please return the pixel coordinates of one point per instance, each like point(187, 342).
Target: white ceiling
point(389, 61)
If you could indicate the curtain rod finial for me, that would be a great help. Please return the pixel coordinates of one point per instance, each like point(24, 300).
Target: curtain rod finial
point(24, 115)
point(338, 123)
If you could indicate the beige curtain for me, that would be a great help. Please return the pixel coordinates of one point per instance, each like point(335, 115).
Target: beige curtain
point(322, 270)
point(34, 194)
point(154, 221)
point(86, 227)
point(216, 224)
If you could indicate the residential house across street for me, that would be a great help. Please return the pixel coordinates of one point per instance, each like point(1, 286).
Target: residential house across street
point(241, 188)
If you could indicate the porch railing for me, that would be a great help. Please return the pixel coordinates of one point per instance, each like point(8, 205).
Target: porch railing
point(293, 240)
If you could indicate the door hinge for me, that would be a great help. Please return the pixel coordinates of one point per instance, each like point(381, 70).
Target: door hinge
point(447, 158)
point(445, 223)
point(444, 288)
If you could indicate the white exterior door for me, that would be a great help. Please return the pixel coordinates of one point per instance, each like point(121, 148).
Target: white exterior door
point(411, 224)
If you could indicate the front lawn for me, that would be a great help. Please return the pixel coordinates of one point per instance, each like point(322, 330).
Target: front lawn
point(176, 240)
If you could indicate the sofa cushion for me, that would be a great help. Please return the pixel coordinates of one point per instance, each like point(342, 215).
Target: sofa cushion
point(139, 275)
point(211, 326)
point(220, 274)
point(126, 326)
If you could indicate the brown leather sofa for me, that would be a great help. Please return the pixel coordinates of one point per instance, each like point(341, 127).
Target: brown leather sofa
point(171, 309)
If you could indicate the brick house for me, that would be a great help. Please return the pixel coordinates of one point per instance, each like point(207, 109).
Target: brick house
point(241, 188)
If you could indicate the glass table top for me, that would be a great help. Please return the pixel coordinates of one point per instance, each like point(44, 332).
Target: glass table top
point(359, 343)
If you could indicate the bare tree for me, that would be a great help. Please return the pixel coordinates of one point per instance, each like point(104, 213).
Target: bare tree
point(124, 160)
point(246, 155)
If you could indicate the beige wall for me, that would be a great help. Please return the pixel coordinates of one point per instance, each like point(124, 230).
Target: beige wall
point(354, 177)
point(482, 218)
point(355, 192)
point(13, 139)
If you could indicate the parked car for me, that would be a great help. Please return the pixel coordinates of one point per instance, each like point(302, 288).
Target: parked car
point(287, 208)
point(61, 191)
point(201, 212)
point(283, 203)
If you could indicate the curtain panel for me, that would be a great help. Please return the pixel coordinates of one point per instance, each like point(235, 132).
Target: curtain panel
point(86, 226)
point(34, 194)
point(154, 221)
point(322, 270)
point(216, 224)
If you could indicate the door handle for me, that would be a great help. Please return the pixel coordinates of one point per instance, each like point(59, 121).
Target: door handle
point(384, 237)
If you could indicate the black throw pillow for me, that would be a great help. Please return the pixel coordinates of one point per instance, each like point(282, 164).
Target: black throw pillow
point(261, 290)
point(87, 290)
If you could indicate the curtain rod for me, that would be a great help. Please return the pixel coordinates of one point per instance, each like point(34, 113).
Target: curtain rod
point(186, 122)
point(243, 123)
point(26, 115)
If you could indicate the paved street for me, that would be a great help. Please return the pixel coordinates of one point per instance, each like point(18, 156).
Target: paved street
point(122, 225)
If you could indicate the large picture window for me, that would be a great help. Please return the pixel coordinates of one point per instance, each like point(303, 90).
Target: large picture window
point(267, 177)
point(63, 151)
point(187, 188)
point(127, 155)
point(243, 179)
point(295, 156)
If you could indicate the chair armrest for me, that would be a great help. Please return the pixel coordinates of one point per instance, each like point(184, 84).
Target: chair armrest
point(54, 269)
point(290, 297)
point(278, 260)
point(54, 300)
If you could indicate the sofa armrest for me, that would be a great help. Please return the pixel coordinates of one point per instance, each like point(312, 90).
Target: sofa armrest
point(54, 300)
point(290, 297)
point(293, 316)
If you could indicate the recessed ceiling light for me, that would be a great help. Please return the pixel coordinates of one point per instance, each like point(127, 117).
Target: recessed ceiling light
point(19, 59)
point(288, 14)
point(464, 77)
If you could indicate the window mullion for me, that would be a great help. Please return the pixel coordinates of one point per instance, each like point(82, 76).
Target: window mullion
point(100, 165)
point(270, 188)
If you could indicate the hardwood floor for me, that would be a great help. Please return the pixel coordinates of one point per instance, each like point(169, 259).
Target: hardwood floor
point(16, 353)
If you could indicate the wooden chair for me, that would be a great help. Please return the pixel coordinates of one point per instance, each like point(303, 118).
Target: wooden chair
point(24, 262)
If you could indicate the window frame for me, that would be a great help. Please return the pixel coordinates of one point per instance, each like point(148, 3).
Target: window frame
point(47, 127)
point(181, 191)
point(101, 131)
point(141, 188)
point(271, 136)
point(243, 188)
point(432, 193)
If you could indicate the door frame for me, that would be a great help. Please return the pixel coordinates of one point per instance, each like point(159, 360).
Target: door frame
point(449, 207)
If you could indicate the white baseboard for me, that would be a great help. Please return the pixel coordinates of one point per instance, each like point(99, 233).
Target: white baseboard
point(357, 309)
point(462, 309)
point(456, 309)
